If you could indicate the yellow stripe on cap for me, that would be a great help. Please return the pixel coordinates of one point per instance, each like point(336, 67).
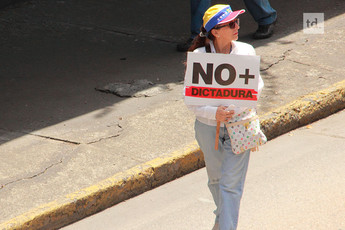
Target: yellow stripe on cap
point(214, 15)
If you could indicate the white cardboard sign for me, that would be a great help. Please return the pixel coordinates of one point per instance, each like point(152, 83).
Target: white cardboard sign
point(221, 79)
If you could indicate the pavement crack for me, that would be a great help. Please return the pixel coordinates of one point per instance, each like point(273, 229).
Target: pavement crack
point(280, 59)
point(103, 138)
point(301, 63)
point(117, 31)
point(327, 135)
point(109, 137)
point(55, 139)
point(5, 20)
point(30, 177)
point(309, 65)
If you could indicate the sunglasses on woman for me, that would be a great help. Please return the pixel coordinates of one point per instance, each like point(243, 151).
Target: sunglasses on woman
point(232, 24)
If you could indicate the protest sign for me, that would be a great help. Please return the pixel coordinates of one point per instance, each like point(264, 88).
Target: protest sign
point(222, 79)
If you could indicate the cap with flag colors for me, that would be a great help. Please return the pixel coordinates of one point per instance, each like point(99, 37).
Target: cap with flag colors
point(219, 14)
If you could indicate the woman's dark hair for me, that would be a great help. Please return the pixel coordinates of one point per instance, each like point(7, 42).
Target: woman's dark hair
point(201, 41)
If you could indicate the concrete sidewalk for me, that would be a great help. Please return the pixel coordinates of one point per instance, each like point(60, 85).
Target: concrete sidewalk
point(296, 181)
point(68, 150)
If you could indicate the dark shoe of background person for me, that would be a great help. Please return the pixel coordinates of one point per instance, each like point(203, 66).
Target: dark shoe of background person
point(183, 47)
point(264, 31)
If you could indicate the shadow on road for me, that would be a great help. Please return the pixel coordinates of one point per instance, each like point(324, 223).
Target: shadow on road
point(55, 53)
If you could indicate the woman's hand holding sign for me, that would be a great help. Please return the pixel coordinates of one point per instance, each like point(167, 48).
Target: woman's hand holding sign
point(223, 115)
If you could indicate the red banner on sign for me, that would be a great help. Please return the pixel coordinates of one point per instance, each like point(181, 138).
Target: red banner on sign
point(221, 93)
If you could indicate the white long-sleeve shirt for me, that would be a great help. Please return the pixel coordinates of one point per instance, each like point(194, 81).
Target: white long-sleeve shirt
point(207, 114)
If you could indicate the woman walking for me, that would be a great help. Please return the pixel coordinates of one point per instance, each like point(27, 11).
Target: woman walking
point(226, 170)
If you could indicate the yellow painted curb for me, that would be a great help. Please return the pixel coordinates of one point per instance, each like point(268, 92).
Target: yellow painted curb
point(153, 173)
point(305, 110)
point(109, 192)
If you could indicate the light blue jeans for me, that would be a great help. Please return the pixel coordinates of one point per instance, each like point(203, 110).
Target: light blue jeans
point(226, 173)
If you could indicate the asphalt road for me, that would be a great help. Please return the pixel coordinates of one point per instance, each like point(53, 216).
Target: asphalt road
point(295, 181)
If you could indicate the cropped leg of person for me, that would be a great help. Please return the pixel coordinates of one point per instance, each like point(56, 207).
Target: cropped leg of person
point(226, 173)
point(233, 174)
point(197, 10)
point(264, 15)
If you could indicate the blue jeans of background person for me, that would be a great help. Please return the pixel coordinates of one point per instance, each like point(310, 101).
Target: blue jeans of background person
point(198, 8)
point(226, 173)
point(261, 11)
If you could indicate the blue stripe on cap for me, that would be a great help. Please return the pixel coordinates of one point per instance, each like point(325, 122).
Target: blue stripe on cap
point(218, 17)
